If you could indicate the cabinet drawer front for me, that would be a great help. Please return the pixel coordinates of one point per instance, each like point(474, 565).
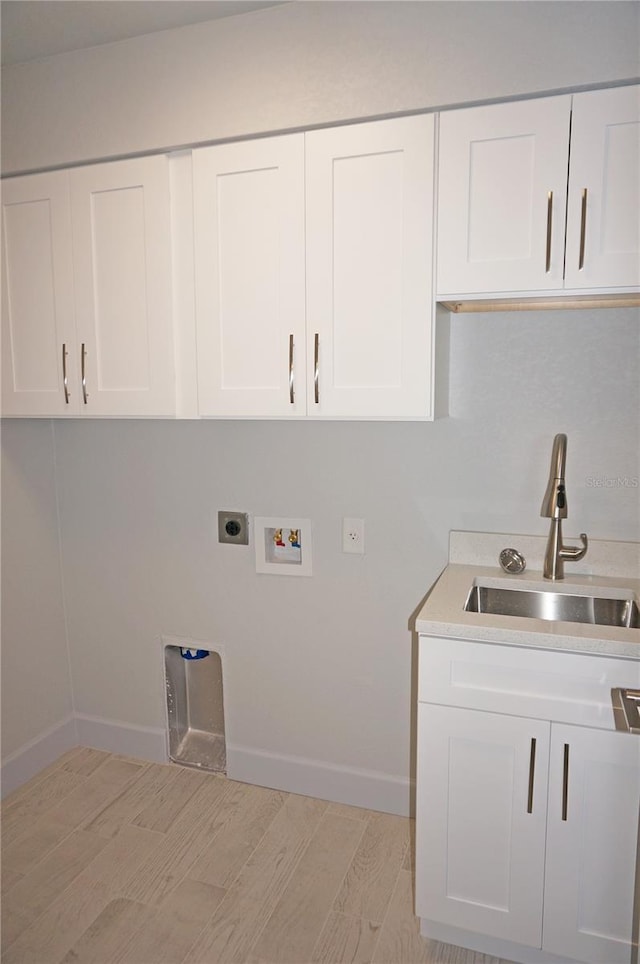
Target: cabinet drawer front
point(567, 687)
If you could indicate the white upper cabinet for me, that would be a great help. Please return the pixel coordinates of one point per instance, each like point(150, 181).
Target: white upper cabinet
point(313, 258)
point(122, 273)
point(502, 196)
point(502, 188)
point(603, 221)
point(369, 206)
point(87, 314)
point(249, 262)
point(38, 322)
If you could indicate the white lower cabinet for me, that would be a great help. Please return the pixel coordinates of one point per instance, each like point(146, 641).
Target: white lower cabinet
point(483, 844)
point(592, 844)
point(527, 829)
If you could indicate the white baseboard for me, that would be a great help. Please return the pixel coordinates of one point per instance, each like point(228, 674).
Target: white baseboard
point(358, 788)
point(34, 756)
point(144, 742)
point(493, 947)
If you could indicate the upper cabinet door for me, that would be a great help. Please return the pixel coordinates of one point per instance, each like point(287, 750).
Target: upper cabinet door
point(603, 223)
point(38, 341)
point(369, 205)
point(249, 264)
point(502, 197)
point(122, 264)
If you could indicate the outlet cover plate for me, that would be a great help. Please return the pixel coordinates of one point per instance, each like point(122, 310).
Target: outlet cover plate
point(353, 536)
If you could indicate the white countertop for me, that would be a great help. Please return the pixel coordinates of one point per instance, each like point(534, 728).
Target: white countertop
point(443, 613)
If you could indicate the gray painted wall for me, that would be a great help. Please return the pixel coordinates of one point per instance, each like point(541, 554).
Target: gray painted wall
point(305, 64)
point(318, 668)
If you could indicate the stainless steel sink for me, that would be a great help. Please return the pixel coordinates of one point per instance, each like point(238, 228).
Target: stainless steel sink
point(563, 606)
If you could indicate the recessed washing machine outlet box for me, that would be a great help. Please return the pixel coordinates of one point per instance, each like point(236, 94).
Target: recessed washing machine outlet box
point(233, 528)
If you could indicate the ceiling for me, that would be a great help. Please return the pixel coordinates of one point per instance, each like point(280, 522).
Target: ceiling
point(32, 29)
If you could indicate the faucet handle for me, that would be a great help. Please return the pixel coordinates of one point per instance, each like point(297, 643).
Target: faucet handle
point(575, 552)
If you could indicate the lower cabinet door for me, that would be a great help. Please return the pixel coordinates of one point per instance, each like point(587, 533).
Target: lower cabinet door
point(481, 821)
point(592, 844)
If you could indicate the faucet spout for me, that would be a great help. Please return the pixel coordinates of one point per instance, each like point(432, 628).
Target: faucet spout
point(554, 504)
point(554, 507)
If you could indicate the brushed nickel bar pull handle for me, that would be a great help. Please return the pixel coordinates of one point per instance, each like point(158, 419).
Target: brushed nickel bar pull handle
point(65, 380)
point(532, 770)
point(291, 388)
point(549, 227)
point(565, 782)
point(83, 367)
point(583, 228)
point(316, 370)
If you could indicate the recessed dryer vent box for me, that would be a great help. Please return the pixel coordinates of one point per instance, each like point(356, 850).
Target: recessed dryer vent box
point(195, 705)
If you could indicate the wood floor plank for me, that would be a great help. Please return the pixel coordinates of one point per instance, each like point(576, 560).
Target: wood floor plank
point(170, 800)
point(349, 940)
point(30, 896)
point(370, 880)
point(105, 783)
point(180, 847)
point(51, 936)
point(236, 925)
point(194, 900)
point(293, 928)
point(147, 794)
point(249, 812)
point(85, 760)
point(169, 931)
point(20, 810)
point(108, 935)
point(9, 878)
point(24, 853)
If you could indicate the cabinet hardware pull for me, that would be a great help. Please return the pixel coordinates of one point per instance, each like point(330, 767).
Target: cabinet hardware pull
point(291, 389)
point(549, 225)
point(565, 782)
point(583, 228)
point(83, 358)
point(532, 770)
point(65, 380)
point(316, 354)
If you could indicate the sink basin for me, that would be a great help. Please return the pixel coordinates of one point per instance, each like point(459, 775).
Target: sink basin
point(550, 605)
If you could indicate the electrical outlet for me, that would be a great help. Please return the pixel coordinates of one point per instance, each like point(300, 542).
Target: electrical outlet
point(353, 536)
point(233, 528)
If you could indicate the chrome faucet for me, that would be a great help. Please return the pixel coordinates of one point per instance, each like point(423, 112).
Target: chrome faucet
point(554, 507)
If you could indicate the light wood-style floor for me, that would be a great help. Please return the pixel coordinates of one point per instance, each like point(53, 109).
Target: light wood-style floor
point(110, 859)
